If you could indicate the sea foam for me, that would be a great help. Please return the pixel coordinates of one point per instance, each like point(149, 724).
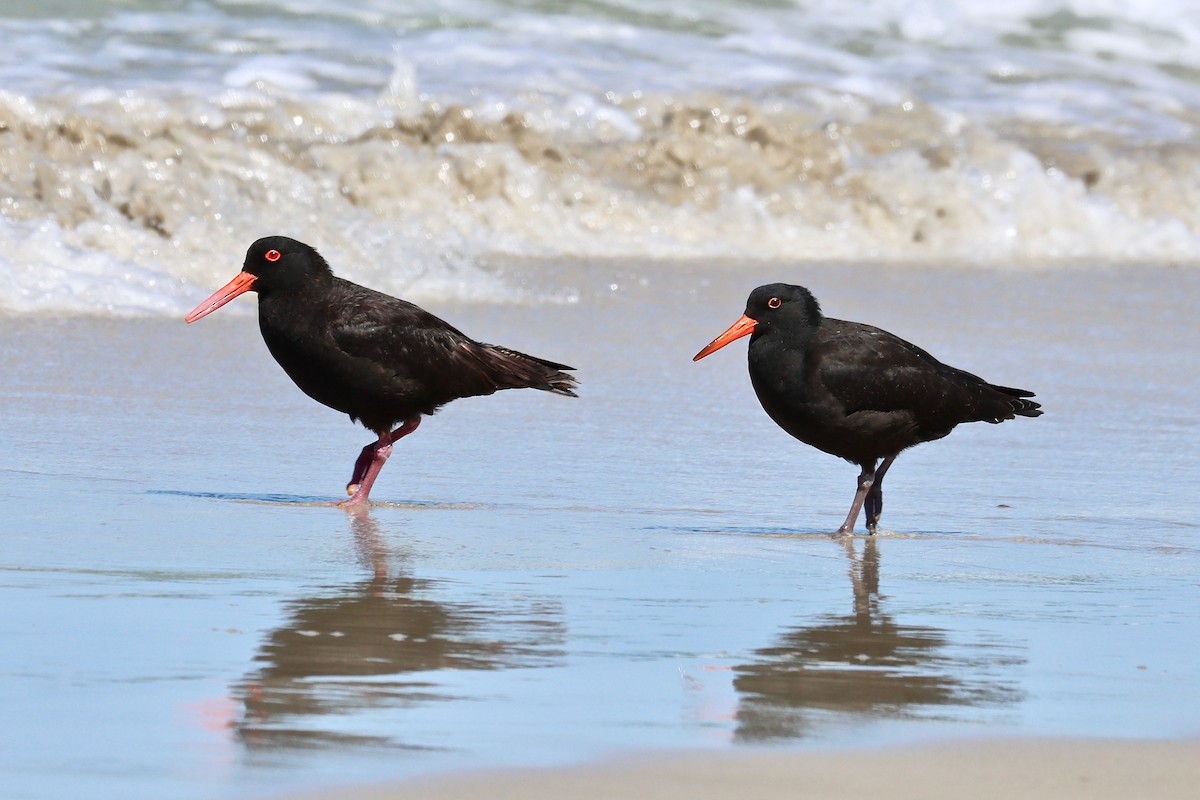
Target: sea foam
point(417, 146)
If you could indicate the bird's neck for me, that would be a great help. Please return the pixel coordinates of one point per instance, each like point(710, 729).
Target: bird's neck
point(782, 355)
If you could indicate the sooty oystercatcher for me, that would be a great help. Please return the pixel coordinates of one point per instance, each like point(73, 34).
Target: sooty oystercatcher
point(382, 360)
point(855, 391)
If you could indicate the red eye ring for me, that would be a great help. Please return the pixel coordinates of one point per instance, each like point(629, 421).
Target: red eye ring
point(774, 302)
point(273, 255)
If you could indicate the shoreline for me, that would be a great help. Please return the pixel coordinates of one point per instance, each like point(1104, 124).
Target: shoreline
point(982, 769)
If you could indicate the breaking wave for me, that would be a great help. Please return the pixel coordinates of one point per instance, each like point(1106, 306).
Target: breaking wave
point(139, 196)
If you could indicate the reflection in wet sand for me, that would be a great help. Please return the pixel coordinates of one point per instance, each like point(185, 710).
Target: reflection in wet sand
point(865, 664)
point(381, 643)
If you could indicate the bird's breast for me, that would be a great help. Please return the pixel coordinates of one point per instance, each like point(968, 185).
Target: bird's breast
point(791, 391)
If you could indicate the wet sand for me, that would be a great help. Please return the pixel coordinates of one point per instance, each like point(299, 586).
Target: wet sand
point(1031, 769)
point(549, 583)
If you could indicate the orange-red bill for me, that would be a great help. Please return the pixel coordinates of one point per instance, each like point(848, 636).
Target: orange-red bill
point(743, 327)
point(241, 283)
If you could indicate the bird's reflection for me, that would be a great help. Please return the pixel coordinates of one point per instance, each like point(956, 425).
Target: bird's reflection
point(865, 664)
point(382, 643)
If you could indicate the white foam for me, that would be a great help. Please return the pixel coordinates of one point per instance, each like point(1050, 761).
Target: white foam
point(270, 71)
point(415, 142)
point(41, 272)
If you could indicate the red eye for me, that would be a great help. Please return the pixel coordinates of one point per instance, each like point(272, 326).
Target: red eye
point(273, 255)
point(774, 302)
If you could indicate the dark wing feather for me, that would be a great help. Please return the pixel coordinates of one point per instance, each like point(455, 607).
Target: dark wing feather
point(869, 369)
point(417, 353)
point(410, 350)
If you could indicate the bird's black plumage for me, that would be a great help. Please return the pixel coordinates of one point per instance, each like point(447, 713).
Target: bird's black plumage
point(856, 391)
point(379, 359)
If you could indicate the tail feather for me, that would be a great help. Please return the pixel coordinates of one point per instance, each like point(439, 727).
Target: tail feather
point(560, 383)
point(564, 385)
point(1010, 391)
point(1017, 402)
point(523, 371)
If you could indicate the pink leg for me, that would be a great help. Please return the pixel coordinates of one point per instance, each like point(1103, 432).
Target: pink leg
point(866, 479)
point(371, 460)
point(360, 466)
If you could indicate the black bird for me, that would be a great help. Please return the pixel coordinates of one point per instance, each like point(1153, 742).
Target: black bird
point(855, 391)
point(382, 360)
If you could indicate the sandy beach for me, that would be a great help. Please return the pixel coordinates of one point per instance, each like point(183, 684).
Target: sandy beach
point(1034, 769)
point(632, 593)
point(632, 590)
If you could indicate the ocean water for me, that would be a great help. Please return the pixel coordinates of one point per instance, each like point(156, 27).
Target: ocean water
point(423, 146)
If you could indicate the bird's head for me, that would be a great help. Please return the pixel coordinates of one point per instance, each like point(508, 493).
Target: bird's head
point(273, 263)
point(770, 307)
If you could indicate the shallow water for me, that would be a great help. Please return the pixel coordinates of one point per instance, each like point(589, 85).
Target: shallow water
point(548, 580)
